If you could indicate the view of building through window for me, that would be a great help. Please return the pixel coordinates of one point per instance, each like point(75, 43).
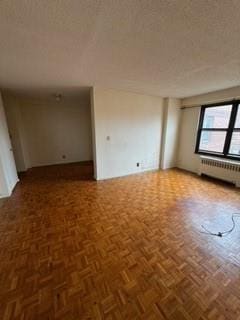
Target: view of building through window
point(237, 123)
point(217, 134)
point(213, 142)
point(215, 117)
point(235, 144)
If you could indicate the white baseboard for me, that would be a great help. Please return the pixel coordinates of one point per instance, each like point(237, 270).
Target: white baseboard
point(7, 195)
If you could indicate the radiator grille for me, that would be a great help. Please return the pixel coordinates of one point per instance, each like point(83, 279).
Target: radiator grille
point(221, 164)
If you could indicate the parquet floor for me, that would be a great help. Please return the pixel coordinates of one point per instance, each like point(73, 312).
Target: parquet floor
point(128, 248)
point(2, 202)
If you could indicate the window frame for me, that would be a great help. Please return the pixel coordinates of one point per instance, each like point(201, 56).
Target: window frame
point(229, 131)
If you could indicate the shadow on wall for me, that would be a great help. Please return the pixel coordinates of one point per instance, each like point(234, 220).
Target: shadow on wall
point(72, 172)
point(47, 132)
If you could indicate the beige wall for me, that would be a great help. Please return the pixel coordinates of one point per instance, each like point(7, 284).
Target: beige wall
point(187, 159)
point(212, 97)
point(128, 130)
point(171, 124)
point(93, 133)
point(45, 131)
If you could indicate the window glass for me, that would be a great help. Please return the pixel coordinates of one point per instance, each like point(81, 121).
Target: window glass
point(235, 144)
point(216, 134)
point(217, 117)
point(212, 141)
point(237, 123)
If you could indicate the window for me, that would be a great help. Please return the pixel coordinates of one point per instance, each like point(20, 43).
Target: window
point(219, 130)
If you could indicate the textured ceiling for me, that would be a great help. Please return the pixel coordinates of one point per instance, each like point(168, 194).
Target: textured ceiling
point(172, 48)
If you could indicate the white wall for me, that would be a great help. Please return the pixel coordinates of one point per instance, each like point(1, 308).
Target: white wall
point(16, 129)
point(4, 192)
point(187, 159)
point(128, 129)
point(170, 139)
point(44, 131)
point(8, 173)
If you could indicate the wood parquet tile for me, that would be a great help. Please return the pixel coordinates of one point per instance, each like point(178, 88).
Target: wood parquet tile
point(127, 248)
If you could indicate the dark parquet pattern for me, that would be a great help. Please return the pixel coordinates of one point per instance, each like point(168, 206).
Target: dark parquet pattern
point(127, 248)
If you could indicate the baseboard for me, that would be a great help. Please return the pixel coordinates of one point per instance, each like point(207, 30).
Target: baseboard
point(187, 170)
point(4, 196)
point(127, 175)
point(60, 164)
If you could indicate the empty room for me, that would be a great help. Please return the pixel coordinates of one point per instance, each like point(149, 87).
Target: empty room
point(119, 159)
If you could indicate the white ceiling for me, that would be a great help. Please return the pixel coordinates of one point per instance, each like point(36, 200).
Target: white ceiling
point(174, 48)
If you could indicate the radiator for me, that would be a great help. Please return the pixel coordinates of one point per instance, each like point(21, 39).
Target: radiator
point(221, 169)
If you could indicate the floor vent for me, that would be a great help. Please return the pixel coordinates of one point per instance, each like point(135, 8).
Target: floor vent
point(221, 169)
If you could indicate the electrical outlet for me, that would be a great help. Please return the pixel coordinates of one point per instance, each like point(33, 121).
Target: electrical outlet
point(138, 164)
point(63, 156)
